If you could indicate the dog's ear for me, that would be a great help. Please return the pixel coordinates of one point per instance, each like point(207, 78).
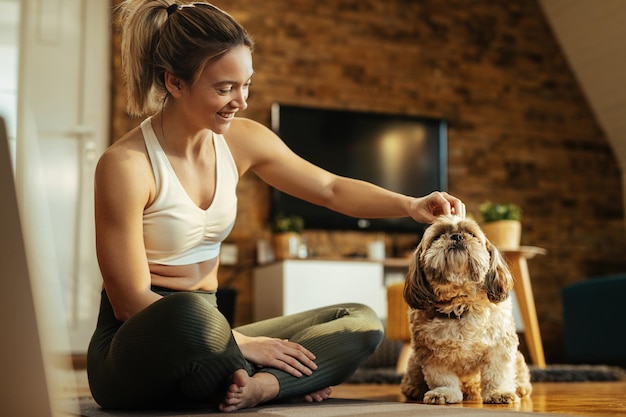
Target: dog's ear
point(498, 281)
point(417, 292)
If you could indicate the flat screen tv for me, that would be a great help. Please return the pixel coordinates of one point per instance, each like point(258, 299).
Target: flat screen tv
point(403, 153)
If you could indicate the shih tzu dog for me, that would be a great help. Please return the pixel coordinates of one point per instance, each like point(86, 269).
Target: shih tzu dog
point(463, 337)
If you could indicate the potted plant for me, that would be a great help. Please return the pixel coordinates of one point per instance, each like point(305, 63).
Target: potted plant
point(286, 236)
point(502, 224)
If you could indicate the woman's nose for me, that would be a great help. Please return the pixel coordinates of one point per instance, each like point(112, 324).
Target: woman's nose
point(241, 99)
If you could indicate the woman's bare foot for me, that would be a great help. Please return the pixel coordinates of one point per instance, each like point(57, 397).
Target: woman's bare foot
point(318, 396)
point(246, 391)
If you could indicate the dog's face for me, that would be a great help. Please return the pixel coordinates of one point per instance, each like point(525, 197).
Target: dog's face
point(454, 258)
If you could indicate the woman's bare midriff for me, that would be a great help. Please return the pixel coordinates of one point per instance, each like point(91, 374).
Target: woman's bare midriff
point(199, 276)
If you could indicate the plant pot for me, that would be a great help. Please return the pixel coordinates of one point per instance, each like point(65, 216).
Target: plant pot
point(286, 245)
point(504, 234)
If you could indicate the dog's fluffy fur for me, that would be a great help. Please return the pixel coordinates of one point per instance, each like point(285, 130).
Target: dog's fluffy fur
point(463, 335)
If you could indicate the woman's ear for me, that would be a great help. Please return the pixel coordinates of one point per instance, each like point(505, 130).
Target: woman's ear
point(173, 84)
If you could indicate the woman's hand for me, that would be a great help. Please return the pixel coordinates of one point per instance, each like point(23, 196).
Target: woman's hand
point(287, 356)
point(428, 208)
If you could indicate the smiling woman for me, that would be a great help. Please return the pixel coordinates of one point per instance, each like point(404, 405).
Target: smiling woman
point(165, 200)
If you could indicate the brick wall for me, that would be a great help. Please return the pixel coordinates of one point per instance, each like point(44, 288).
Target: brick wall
point(520, 129)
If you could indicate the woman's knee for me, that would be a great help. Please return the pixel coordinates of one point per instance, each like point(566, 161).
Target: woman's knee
point(369, 325)
point(187, 316)
point(364, 317)
point(182, 305)
point(358, 322)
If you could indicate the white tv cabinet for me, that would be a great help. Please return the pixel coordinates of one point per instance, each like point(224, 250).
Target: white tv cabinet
point(296, 285)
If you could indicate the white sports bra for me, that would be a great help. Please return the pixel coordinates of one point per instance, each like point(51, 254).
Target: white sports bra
point(175, 230)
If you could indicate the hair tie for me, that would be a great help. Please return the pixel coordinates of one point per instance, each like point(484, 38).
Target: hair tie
point(172, 8)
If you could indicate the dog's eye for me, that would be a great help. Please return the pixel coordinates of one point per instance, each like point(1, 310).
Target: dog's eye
point(436, 238)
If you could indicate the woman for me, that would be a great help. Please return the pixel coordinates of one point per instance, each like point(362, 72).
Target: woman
point(165, 199)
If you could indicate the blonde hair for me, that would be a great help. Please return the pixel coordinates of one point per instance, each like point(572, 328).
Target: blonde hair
point(180, 38)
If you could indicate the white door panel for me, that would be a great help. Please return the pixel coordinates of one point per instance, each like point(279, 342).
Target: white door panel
point(62, 129)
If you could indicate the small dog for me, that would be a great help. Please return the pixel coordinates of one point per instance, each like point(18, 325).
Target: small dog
point(463, 335)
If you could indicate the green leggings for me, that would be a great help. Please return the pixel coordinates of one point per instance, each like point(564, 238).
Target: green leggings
point(180, 351)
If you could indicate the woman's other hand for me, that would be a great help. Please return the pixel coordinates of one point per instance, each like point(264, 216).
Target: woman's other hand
point(287, 356)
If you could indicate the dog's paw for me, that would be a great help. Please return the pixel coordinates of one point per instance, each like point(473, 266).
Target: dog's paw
point(443, 395)
point(524, 390)
point(501, 398)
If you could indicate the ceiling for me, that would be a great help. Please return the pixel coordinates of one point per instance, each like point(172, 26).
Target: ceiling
point(592, 35)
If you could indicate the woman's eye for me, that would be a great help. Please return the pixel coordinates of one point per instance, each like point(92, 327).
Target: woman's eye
point(226, 91)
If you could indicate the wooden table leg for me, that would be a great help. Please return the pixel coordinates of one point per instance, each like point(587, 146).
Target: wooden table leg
point(526, 301)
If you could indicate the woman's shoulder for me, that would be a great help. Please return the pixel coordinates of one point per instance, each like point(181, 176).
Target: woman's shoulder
point(128, 152)
point(254, 144)
point(249, 133)
point(243, 125)
point(130, 145)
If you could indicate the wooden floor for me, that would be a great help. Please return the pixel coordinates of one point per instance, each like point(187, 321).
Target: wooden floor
point(566, 398)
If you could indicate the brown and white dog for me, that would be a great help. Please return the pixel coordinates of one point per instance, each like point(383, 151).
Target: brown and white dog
point(463, 335)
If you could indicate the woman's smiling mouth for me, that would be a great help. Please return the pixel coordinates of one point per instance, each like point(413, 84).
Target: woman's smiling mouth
point(227, 116)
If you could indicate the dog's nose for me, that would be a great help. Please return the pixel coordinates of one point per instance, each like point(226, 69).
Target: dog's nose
point(457, 237)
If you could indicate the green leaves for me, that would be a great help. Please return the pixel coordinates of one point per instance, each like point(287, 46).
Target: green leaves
point(492, 212)
point(283, 224)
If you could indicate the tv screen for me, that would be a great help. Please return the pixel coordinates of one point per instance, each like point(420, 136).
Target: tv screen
point(402, 153)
